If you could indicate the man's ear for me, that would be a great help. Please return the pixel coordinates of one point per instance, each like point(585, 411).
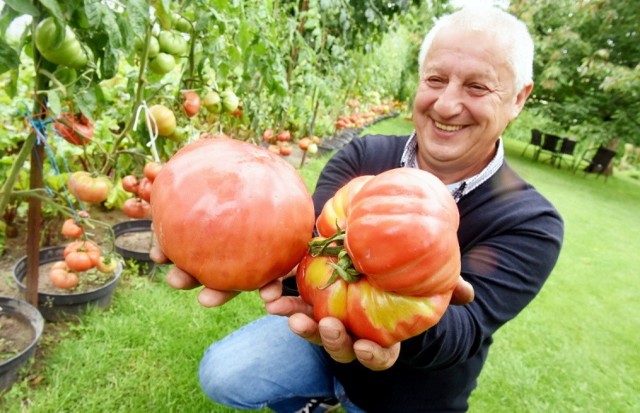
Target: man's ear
point(521, 98)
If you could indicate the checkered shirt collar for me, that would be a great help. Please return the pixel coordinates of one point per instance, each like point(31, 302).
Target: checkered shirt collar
point(458, 189)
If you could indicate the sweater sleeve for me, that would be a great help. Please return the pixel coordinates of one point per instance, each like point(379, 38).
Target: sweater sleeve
point(510, 239)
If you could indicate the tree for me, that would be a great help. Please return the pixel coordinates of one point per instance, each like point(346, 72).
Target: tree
point(587, 66)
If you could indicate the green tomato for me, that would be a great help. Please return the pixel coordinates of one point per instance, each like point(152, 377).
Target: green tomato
point(172, 43)
point(162, 63)
point(230, 101)
point(68, 53)
point(154, 46)
point(181, 24)
point(212, 102)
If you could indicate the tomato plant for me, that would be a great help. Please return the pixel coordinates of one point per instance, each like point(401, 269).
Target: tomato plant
point(89, 188)
point(388, 257)
point(230, 213)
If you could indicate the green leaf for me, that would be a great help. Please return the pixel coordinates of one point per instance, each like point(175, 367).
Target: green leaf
point(137, 12)
point(53, 101)
point(92, 10)
point(54, 9)
point(9, 59)
point(163, 12)
point(86, 102)
point(109, 62)
point(23, 7)
point(108, 23)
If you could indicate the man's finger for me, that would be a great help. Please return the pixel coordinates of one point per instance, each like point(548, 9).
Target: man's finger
point(374, 356)
point(336, 341)
point(214, 298)
point(306, 327)
point(157, 256)
point(180, 280)
point(463, 293)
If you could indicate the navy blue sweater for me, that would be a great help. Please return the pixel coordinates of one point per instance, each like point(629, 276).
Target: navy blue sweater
point(510, 238)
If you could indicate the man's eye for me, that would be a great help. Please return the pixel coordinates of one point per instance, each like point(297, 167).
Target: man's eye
point(477, 89)
point(434, 81)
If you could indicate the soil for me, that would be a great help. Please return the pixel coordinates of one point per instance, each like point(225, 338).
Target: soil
point(16, 334)
point(135, 241)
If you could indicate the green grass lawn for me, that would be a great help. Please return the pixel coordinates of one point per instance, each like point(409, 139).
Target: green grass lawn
point(574, 349)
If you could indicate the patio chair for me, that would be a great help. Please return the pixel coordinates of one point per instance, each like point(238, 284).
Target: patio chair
point(567, 148)
point(600, 162)
point(536, 141)
point(550, 145)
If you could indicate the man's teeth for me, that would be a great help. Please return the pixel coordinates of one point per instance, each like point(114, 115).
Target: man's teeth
point(448, 128)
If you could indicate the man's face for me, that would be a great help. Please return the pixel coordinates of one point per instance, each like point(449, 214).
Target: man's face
point(464, 101)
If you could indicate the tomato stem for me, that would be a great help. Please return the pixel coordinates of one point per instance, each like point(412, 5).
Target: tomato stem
point(334, 247)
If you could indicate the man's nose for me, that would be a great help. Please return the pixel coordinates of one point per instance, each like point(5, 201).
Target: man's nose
point(449, 102)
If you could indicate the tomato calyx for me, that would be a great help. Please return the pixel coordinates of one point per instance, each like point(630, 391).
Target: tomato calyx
point(334, 247)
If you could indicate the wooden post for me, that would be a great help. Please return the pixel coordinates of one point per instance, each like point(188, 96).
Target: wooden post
point(34, 214)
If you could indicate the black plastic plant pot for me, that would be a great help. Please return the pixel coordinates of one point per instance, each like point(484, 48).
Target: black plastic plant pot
point(128, 227)
point(64, 305)
point(29, 317)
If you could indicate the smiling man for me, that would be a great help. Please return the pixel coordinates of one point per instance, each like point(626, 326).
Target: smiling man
point(475, 76)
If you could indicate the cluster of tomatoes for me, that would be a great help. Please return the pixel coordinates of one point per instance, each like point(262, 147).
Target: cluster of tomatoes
point(139, 206)
point(79, 255)
point(280, 143)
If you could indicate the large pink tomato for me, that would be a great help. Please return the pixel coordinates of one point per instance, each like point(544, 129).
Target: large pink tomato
point(231, 214)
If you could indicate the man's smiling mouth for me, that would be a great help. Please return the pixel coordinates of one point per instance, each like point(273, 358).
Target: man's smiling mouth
point(448, 128)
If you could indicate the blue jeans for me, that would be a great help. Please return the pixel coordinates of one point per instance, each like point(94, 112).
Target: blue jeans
point(265, 364)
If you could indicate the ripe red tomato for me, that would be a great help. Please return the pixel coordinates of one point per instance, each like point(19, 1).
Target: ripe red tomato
point(75, 129)
point(136, 208)
point(81, 255)
point(151, 170)
point(267, 136)
point(284, 136)
point(191, 104)
point(89, 188)
point(232, 214)
point(71, 229)
point(61, 277)
point(130, 184)
point(144, 189)
point(286, 149)
point(304, 143)
point(400, 257)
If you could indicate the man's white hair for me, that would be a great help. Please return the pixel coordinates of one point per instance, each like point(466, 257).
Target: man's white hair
point(511, 31)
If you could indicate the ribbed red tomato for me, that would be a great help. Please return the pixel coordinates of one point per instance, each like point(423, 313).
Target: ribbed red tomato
point(388, 259)
point(81, 255)
point(232, 214)
point(88, 187)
